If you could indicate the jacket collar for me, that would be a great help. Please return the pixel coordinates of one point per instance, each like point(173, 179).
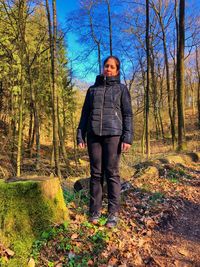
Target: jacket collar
point(107, 80)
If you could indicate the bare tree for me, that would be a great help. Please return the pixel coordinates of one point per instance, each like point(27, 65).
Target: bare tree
point(169, 95)
point(94, 36)
point(88, 25)
point(52, 41)
point(110, 27)
point(180, 76)
point(148, 81)
point(21, 30)
point(198, 84)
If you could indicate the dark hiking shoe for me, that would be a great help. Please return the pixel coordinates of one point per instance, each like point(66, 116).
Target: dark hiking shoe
point(112, 220)
point(94, 217)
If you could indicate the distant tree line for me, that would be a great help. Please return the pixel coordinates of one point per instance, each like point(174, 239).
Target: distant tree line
point(36, 90)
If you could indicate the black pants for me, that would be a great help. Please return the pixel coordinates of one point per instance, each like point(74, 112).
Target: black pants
point(104, 153)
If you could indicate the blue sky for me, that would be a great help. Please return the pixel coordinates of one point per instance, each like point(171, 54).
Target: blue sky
point(64, 7)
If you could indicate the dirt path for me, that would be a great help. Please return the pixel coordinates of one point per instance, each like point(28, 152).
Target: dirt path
point(178, 243)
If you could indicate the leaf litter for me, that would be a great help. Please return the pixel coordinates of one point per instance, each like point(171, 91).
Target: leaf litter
point(152, 231)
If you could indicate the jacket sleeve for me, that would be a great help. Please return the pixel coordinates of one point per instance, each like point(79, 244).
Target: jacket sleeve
point(82, 127)
point(127, 116)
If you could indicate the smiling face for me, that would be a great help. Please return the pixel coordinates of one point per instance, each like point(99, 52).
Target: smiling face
point(110, 68)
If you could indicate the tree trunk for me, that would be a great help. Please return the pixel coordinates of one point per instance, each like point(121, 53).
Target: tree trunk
point(52, 41)
point(154, 92)
point(198, 102)
point(74, 138)
point(109, 26)
point(13, 125)
point(143, 136)
point(55, 94)
point(30, 131)
point(174, 99)
point(198, 85)
point(21, 28)
point(161, 123)
point(99, 56)
point(37, 131)
point(180, 77)
point(161, 101)
point(62, 141)
point(169, 97)
point(36, 120)
point(148, 82)
point(32, 141)
point(64, 116)
point(144, 111)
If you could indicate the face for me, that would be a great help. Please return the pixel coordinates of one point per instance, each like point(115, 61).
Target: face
point(110, 68)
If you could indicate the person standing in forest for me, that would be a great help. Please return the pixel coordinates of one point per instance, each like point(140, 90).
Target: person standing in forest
point(106, 122)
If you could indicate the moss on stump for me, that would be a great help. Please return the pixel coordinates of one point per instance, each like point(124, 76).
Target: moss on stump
point(27, 208)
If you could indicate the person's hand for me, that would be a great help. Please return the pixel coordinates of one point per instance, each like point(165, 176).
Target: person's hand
point(82, 145)
point(125, 147)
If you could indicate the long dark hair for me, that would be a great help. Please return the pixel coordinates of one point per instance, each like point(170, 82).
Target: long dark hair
point(117, 61)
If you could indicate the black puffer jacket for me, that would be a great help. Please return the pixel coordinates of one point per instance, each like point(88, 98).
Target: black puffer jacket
point(107, 110)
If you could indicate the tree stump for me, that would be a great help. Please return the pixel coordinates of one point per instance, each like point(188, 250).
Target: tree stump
point(27, 208)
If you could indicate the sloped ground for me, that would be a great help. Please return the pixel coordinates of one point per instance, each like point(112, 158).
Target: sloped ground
point(159, 218)
point(159, 223)
point(179, 243)
point(175, 240)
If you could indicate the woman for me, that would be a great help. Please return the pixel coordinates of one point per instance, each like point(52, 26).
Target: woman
point(107, 119)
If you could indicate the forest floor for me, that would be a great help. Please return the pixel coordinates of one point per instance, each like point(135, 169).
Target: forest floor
point(159, 222)
point(159, 217)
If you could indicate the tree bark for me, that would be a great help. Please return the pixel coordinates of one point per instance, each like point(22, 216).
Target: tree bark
point(21, 28)
point(169, 97)
point(148, 82)
point(74, 137)
point(55, 94)
point(110, 27)
point(36, 119)
point(180, 77)
point(61, 138)
point(198, 86)
point(154, 92)
point(30, 130)
point(52, 41)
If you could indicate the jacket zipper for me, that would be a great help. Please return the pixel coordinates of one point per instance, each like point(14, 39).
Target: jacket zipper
point(118, 116)
point(102, 106)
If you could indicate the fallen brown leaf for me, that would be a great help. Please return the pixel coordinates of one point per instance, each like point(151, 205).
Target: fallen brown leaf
point(90, 263)
point(113, 261)
point(183, 251)
point(9, 252)
point(138, 260)
point(74, 236)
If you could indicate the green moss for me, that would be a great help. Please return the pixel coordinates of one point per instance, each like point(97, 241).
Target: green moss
point(26, 210)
